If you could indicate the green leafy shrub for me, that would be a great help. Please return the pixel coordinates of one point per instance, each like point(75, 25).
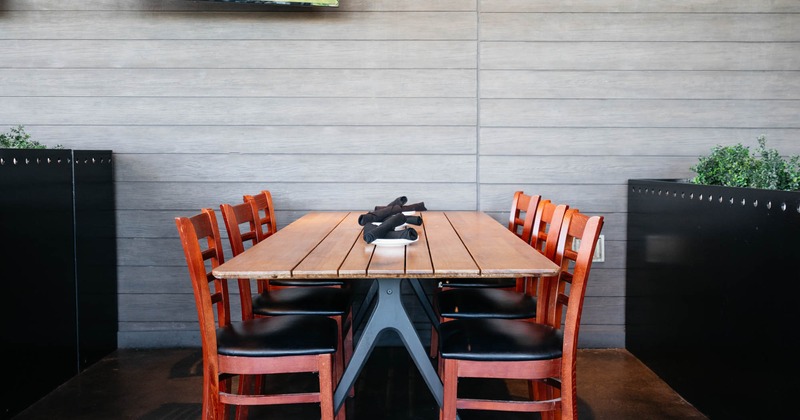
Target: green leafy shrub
point(17, 138)
point(735, 166)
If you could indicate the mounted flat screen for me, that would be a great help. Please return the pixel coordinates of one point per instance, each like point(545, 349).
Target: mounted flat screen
point(324, 3)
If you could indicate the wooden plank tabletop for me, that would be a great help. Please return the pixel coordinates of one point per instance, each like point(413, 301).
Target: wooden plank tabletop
point(331, 244)
point(496, 250)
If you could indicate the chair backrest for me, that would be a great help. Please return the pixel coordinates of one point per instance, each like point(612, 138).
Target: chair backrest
point(566, 292)
point(266, 224)
point(236, 215)
point(199, 235)
point(546, 227)
point(240, 223)
point(523, 210)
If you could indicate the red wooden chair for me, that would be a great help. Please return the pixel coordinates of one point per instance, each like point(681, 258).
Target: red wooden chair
point(503, 303)
point(520, 221)
point(265, 226)
point(542, 352)
point(328, 301)
point(258, 346)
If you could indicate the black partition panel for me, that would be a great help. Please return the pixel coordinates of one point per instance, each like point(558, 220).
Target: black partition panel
point(96, 255)
point(711, 292)
point(58, 236)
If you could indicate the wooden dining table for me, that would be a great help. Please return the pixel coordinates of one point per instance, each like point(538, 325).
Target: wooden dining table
point(450, 244)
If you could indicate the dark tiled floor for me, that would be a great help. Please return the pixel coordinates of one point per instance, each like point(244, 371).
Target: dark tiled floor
point(165, 384)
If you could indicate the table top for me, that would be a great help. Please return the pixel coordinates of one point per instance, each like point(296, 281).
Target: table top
point(330, 244)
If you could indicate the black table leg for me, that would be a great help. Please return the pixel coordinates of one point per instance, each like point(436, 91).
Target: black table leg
point(389, 314)
point(358, 318)
point(416, 285)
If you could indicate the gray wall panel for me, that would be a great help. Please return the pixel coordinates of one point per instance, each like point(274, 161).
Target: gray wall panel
point(587, 55)
point(645, 141)
point(246, 54)
point(639, 6)
point(238, 111)
point(237, 26)
point(170, 139)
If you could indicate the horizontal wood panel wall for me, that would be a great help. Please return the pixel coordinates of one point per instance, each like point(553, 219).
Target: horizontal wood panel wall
point(457, 103)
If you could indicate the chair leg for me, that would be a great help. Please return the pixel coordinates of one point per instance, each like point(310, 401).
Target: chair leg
point(246, 384)
point(338, 368)
point(450, 381)
point(348, 352)
point(326, 365)
point(434, 343)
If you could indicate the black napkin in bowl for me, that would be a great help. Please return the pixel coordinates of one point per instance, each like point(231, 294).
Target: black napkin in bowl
point(414, 220)
point(373, 232)
point(378, 215)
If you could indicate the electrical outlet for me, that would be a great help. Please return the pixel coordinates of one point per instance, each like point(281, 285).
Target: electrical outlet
point(599, 249)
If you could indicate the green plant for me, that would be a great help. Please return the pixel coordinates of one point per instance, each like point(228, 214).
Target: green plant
point(17, 138)
point(735, 166)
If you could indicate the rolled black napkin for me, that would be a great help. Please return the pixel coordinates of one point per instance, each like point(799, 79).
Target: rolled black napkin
point(408, 207)
point(408, 233)
point(373, 232)
point(414, 220)
point(378, 215)
point(399, 201)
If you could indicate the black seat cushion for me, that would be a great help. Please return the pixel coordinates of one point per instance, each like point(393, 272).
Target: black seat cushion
point(483, 303)
point(480, 283)
point(491, 339)
point(326, 301)
point(290, 335)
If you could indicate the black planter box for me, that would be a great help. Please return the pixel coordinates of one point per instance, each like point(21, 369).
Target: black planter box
point(58, 235)
point(712, 286)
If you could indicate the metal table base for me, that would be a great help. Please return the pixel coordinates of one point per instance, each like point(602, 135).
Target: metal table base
point(390, 314)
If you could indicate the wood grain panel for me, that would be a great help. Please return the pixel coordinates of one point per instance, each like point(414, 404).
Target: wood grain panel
point(640, 6)
point(614, 226)
point(636, 27)
point(273, 259)
point(597, 198)
point(334, 247)
point(639, 113)
point(289, 25)
point(606, 281)
point(444, 256)
point(202, 6)
point(299, 196)
point(239, 54)
point(160, 223)
point(185, 337)
point(579, 169)
point(418, 256)
point(179, 308)
point(601, 336)
point(599, 310)
point(401, 140)
point(357, 261)
point(646, 141)
point(640, 84)
point(154, 279)
point(290, 83)
point(297, 168)
point(719, 56)
point(239, 111)
point(495, 256)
